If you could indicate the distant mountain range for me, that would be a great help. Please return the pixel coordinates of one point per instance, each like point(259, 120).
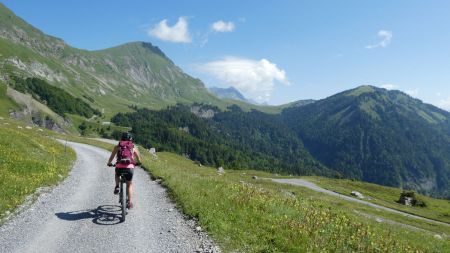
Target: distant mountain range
point(367, 133)
point(228, 93)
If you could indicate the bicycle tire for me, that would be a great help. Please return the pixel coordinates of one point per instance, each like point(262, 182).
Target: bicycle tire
point(123, 201)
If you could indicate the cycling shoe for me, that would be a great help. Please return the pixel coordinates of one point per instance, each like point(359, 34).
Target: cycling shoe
point(130, 205)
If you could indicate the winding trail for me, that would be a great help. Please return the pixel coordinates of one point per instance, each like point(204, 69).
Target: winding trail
point(312, 186)
point(82, 215)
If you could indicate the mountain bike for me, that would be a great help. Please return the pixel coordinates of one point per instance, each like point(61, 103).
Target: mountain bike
point(123, 196)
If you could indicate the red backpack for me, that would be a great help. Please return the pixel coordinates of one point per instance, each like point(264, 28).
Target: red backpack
point(125, 153)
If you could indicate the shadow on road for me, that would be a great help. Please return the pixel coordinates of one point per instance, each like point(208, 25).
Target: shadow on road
point(102, 215)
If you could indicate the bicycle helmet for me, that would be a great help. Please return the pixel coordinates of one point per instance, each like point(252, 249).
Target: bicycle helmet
point(127, 136)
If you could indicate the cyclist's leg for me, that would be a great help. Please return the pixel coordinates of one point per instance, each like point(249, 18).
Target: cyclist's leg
point(129, 178)
point(117, 180)
point(116, 188)
point(130, 191)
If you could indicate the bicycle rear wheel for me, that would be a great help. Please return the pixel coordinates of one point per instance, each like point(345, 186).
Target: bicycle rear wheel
point(123, 200)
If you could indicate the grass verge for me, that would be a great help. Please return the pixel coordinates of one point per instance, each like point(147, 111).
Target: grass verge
point(28, 160)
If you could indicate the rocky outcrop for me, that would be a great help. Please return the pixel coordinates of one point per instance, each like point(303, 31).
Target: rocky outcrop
point(202, 113)
point(357, 194)
point(35, 113)
point(220, 171)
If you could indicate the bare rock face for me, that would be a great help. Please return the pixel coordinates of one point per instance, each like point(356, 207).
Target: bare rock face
point(37, 69)
point(35, 113)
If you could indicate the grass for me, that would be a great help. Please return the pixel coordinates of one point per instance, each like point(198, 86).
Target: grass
point(6, 103)
point(249, 215)
point(28, 160)
point(360, 90)
point(94, 126)
point(436, 209)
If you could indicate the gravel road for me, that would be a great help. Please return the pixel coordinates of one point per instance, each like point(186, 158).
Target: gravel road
point(82, 215)
point(105, 140)
point(312, 186)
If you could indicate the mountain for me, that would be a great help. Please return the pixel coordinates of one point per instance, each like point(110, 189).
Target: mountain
point(111, 80)
point(233, 138)
point(380, 136)
point(297, 103)
point(367, 133)
point(227, 93)
point(233, 94)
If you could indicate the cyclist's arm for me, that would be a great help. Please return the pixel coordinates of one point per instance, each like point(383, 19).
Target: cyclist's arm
point(136, 154)
point(113, 154)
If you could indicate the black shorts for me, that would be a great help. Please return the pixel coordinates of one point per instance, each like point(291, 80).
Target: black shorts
point(127, 172)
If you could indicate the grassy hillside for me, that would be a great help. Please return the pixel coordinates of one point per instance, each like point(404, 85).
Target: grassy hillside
point(436, 209)
point(259, 216)
point(28, 160)
point(55, 98)
point(95, 127)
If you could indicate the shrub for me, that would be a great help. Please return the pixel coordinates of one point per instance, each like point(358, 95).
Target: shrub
point(414, 200)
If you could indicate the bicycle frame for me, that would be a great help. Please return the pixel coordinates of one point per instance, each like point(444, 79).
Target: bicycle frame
point(123, 195)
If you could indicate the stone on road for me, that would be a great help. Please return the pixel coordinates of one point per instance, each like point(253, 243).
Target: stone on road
point(83, 215)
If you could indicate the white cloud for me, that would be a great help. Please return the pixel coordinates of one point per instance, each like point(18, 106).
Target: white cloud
point(221, 26)
point(386, 37)
point(256, 79)
point(178, 33)
point(413, 93)
point(389, 86)
point(444, 104)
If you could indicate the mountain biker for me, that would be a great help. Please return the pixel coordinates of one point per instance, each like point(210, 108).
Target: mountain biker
point(125, 165)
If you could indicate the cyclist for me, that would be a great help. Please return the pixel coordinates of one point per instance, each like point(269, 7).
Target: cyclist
point(126, 161)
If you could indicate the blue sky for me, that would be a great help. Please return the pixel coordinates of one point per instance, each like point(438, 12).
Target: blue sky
point(272, 51)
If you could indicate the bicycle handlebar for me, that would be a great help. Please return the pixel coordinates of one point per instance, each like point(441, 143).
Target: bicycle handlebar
point(113, 164)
